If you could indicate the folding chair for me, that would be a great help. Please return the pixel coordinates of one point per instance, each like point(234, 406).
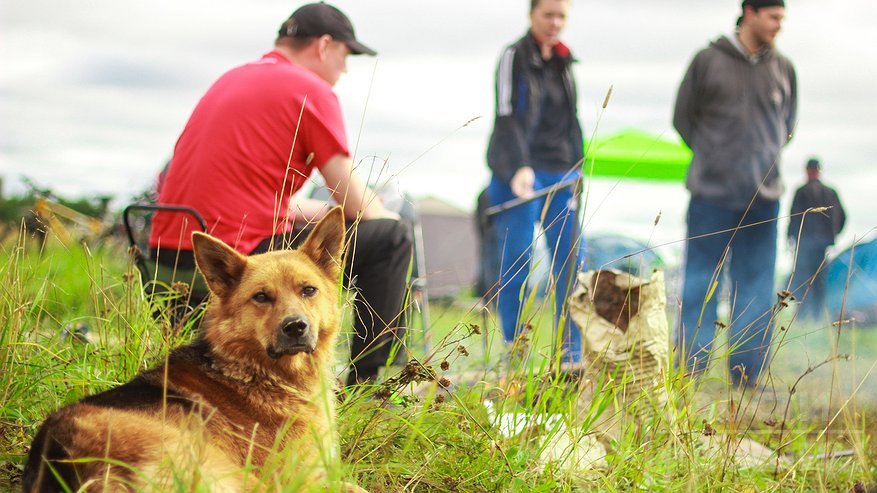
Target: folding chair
point(161, 281)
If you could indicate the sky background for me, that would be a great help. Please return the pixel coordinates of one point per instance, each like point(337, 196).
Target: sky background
point(94, 94)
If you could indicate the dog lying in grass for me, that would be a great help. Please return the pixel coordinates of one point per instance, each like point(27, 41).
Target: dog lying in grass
point(248, 406)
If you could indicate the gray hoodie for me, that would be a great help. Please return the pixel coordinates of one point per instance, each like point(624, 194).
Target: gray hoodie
point(736, 112)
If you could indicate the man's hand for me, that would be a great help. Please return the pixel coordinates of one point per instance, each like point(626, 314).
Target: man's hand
point(522, 182)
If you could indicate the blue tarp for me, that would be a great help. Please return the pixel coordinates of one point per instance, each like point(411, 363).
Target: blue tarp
point(609, 251)
point(602, 251)
point(858, 265)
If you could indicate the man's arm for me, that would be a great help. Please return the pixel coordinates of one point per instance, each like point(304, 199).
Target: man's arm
point(686, 104)
point(795, 217)
point(508, 149)
point(351, 192)
point(306, 210)
point(792, 109)
point(839, 214)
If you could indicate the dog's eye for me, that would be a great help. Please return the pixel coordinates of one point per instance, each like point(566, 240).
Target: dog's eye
point(308, 291)
point(261, 297)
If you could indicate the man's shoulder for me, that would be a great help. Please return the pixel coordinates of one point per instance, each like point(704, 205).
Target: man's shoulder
point(716, 52)
point(522, 42)
point(522, 46)
point(828, 188)
point(719, 47)
point(799, 192)
point(274, 65)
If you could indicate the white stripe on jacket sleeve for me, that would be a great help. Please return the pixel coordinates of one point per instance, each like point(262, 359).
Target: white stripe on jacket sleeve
point(504, 83)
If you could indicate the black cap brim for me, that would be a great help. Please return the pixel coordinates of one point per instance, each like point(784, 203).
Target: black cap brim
point(357, 48)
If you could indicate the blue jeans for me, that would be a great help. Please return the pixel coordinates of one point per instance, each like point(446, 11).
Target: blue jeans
point(750, 264)
point(514, 228)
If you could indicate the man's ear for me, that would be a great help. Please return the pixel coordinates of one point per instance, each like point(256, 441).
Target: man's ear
point(325, 243)
point(220, 264)
point(323, 44)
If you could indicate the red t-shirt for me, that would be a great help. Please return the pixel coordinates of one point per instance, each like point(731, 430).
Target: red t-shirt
point(251, 142)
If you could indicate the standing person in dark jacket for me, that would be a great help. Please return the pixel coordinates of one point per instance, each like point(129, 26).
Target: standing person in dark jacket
point(815, 236)
point(536, 143)
point(736, 109)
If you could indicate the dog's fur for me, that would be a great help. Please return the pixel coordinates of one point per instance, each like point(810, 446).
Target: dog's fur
point(256, 385)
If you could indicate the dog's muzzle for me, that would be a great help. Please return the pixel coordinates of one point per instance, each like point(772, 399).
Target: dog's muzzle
point(294, 335)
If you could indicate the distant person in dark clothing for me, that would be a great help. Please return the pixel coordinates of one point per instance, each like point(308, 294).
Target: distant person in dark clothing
point(813, 232)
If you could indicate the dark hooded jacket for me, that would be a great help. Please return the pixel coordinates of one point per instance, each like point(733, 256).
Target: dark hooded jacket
point(536, 120)
point(736, 112)
point(820, 228)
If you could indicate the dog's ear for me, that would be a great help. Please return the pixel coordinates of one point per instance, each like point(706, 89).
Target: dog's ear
point(220, 264)
point(326, 242)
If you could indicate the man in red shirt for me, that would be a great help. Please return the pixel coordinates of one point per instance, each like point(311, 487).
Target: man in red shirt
point(254, 139)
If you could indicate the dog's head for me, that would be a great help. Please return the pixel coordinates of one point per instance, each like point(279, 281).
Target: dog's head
point(276, 305)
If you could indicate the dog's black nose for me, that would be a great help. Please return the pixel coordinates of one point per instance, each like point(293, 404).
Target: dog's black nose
point(294, 326)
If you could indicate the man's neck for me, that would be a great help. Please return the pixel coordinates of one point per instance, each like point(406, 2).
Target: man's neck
point(749, 42)
point(287, 52)
point(547, 51)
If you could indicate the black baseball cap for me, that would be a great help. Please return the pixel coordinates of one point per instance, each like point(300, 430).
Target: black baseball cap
point(317, 19)
point(757, 4)
point(813, 163)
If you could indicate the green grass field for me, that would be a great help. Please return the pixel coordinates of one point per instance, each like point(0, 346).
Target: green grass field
point(491, 426)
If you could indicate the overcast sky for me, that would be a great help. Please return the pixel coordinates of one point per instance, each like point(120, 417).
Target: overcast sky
point(94, 94)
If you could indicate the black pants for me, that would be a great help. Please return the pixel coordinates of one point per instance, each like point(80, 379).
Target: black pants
point(377, 261)
point(808, 278)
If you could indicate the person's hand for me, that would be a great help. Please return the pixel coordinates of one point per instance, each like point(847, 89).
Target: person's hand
point(522, 182)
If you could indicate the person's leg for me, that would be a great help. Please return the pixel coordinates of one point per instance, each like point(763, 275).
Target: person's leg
point(816, 308)
point(703, 255)
point(514, 230)
point(809, 290)
point(753, 293)
point(567, 247)
point(378, 260)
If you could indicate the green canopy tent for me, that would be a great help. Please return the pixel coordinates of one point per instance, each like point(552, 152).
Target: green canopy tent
point(637, 154)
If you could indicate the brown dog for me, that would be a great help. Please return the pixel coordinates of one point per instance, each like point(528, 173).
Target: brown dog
point(248, 406)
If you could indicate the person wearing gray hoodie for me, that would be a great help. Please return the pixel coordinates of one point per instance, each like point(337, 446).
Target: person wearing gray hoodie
point(736, 109)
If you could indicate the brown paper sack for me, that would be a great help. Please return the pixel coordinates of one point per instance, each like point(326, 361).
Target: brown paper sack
point(625, 335)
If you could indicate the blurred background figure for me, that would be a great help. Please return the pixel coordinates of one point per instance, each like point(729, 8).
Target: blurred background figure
point(810, 234)
point(536, 143)
point(736, 109)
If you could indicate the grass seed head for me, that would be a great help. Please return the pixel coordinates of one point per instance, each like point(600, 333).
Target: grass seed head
point(708, 430)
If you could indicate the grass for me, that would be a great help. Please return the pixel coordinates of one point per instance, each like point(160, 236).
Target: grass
point(492, 424)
